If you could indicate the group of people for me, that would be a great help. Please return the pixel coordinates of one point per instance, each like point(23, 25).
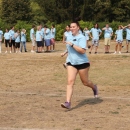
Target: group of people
point(95, 33)
point(13, 39)
point(17, 40)
point(44, 37)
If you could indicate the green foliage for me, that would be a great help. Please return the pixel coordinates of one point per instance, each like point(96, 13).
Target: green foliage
point(13, 10)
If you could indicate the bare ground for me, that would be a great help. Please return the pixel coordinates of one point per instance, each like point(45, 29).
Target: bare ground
point(33, 85)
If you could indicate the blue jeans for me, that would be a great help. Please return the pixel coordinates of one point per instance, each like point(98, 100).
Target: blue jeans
point(23, 44)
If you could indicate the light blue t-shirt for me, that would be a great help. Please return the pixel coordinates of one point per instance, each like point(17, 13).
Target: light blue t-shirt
point(86, 33)
point(32, 32)
point(42, 30)
point(74, 57)
point(53, 32)
point(119, 35)
point(1, 34)
point(47, 34)
point(23, 37)
point(67, 34)
point(108, 32)
point(7, 35)
point(39, 35)
point(12, 34)
point(127, 33)
point(17, 38)
point(95, 33)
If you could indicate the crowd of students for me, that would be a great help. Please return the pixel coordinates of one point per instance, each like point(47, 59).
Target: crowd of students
point(15, 41)
point(95, 33)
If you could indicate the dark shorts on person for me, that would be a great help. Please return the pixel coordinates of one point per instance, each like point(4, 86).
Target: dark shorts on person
point(6, 43)
point(12, 43)
point(17, 45)
point(39, 43)
point(47, 42)
point(43, 41)
point(80, 66)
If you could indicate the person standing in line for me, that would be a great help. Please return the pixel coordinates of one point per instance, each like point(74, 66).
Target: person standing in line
point(108, 32)
point(77, 63)
point(47, 37)
point(23, 40)
point(96, 33)
point(43, 42)
point(32, 37)
point(6, 40)
point(127, 29)
point(1, 36)
point(39, 39)
point(119, 39)
point(66, 33)
point(87, 34)
point(53, 33)
point(12, 39)
point(17, 41)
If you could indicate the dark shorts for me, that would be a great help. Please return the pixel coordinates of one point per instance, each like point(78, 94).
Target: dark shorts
point(43, 41)
point(12, 43)
point(39, 43)
point(79, 67)
point(6, 43)
point(17, 45)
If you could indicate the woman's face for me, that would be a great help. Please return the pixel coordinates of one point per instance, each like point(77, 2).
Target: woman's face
point(74, 28)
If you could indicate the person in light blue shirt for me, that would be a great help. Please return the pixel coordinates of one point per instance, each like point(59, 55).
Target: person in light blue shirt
point(119, 39)
point(53, 33)
point(127, 29)
point(23, 40)
point(1, 36)
point(95, 33)
point(108, 32)
point(66, 33)
point(87, 34)
point(12, 39)
point(32, 37)
point(6, 40)
point(47, 38)
point(17, 41)
point(43, 41)
point(39, 39)
point(77, 63)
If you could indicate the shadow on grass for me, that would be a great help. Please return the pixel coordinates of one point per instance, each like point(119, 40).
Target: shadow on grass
point(90, 101)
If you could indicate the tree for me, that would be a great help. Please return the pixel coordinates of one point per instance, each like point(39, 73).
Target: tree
point(13, 10)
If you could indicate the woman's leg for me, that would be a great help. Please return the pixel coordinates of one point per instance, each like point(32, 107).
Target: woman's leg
point(71, 72)
point(84, 78)
point(120, 47)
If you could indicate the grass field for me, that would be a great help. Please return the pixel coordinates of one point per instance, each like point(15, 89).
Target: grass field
point(33, 85)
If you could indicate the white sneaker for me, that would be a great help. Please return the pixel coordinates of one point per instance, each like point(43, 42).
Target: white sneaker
point(10, 52)
point(16, 52)
point(5, 51)
point(114, 52)
point(32, 51)
point(119, 52)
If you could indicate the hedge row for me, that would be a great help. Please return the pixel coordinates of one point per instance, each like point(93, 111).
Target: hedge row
point(60, 27)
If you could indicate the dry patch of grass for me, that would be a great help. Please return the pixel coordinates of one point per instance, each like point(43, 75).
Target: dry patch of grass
point(34, 85)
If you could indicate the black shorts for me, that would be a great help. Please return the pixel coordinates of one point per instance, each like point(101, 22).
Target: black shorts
point(39, 43)
point(80, 66)
point(6, 43)
point(12, 43)
point(17, 45)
